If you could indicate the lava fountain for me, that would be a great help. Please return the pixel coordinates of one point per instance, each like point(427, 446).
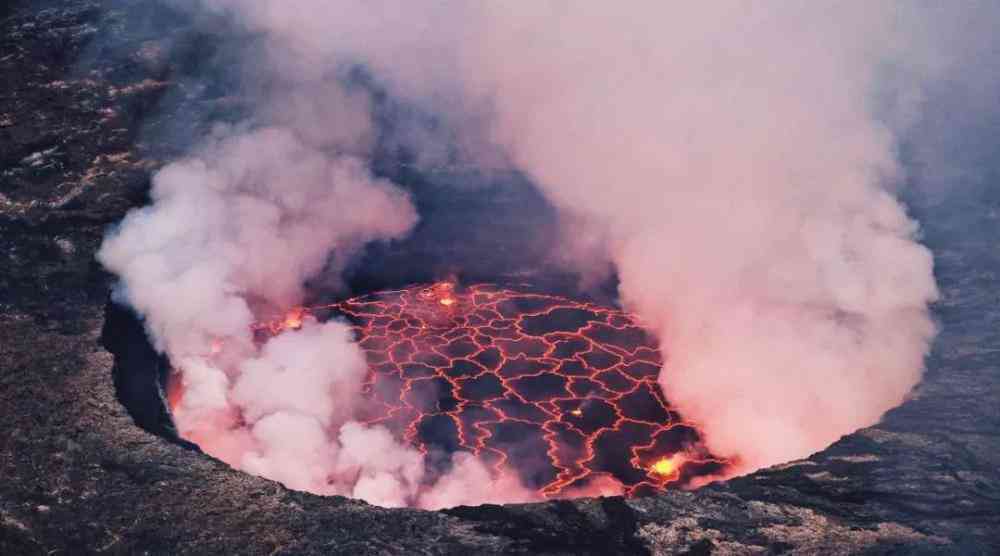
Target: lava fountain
point(562, 392)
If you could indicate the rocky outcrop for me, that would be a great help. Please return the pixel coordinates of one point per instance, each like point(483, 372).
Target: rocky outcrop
point(78, 77)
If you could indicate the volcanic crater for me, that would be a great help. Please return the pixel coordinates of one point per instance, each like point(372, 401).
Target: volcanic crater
point(83, 479)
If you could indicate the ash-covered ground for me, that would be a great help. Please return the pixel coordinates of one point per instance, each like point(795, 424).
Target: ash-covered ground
point(79, 137)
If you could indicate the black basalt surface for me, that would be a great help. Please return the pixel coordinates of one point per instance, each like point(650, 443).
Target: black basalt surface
point(78, 77)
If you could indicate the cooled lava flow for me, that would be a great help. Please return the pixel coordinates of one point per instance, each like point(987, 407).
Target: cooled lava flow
point(563, 391)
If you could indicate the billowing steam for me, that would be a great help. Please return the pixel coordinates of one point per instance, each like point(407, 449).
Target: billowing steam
point(232, 234)
point(734, 159)
point(733, 162)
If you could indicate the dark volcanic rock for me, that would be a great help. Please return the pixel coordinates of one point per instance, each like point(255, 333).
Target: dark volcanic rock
point(78, 476)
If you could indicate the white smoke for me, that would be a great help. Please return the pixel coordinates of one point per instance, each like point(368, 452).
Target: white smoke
point(232, 235)
point(734, 163)
point(733, 156)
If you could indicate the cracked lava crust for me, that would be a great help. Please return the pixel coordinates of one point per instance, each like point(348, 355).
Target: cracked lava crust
point(564, 392)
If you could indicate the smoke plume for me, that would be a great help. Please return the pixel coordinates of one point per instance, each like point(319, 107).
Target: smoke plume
point(232, 235)
point(735, 165)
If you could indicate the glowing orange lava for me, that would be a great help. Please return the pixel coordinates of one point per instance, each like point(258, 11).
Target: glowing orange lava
point(665, 466)
point(565, 392)
point(293, 320)
point(174, 391)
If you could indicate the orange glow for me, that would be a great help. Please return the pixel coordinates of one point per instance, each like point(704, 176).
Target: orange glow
point(442, 292)
point(577, 412)
point(175, 391)
point(293, 320)
point(666, 466)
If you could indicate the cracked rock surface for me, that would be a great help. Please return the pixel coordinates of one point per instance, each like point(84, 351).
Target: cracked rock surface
point(78, 77)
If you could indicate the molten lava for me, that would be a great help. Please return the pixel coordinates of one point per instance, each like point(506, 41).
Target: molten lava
point(293, 320)
point(665, 466)
point(564, 392)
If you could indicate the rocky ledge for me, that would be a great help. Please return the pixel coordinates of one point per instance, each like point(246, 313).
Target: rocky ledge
point(78, 77)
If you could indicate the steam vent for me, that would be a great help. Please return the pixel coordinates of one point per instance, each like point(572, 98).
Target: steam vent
point(449, 278)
